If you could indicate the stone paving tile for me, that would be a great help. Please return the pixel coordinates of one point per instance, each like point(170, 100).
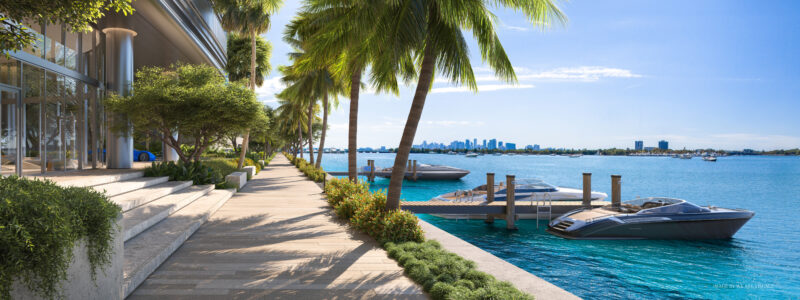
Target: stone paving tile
point(278, 239)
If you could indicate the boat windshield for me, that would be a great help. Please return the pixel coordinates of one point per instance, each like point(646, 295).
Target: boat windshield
point(657, 205)
point(530, 185)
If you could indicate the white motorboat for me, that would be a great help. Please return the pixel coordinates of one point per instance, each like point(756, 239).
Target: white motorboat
point(709, 158)
point(471, 154)
point(524, 190)
point(428, 172)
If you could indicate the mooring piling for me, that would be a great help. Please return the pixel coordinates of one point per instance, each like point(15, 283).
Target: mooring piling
point(511, 214)
point(489, 195)
point(615, 191)
point(587, 190)
point(414, 176)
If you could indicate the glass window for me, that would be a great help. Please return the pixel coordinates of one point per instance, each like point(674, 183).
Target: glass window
point(71, 49)
point(54, 44)
point(52, 122)
point(9, 71)
point(88, 62)
point(33, 95)
point(100, 49)
point(8, 131)
point(70, 124)
point(37, 49)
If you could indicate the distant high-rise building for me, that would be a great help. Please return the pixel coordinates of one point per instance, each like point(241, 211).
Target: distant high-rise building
point(484, 143)
point(535, 147)
point(638, 145)
point(492, 144)
point(663, 145)
point(500, 145)
point(511, 146)
point(475, 143)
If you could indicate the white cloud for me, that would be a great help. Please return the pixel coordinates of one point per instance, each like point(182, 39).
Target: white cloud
point(515, 28)
point(583, 73)
point(481, 88)
point(266, 92)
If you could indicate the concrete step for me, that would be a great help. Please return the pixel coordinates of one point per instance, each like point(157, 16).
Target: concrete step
point(120, 187)
point(145, 252)
point(93, 177)
point(139, 219)
point(135, 198)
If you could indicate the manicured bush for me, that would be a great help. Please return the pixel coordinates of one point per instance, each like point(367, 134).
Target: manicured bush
point(248, 162)
point(313, 173)
point(399, 226)
point(337, 189)
point(446, 275)
point(197, 172)
point(40, 222)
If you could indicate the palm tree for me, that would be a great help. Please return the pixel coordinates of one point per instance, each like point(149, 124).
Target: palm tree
point(292, 114)
point(311, 84)
point(251, 17)
point(436, 37)
point(343, 34)
point(239, 58)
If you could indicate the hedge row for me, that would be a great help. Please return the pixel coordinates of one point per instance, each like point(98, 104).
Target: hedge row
point(444, 275)
point(313, 173)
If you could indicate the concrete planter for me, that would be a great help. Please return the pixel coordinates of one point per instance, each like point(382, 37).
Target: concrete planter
point(79, 283)
point(251, 170)
point(238, 179)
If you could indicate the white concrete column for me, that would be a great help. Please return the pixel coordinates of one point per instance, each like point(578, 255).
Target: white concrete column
point(169, 153)
point(119, 71)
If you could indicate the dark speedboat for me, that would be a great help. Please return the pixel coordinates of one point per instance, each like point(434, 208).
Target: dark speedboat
point(651, 218)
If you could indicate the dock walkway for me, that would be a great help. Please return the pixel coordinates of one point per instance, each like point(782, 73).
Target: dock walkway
point(277, 238)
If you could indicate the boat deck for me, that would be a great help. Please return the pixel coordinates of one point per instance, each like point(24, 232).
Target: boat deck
point(484, 208)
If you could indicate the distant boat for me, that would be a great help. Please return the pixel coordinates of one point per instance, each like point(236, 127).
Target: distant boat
point(686, 156)
point(575, 155)
point(471, 154)
point(709, 158)
point(428, 172)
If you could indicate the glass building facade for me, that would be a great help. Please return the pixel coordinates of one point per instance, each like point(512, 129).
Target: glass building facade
point(52, 115)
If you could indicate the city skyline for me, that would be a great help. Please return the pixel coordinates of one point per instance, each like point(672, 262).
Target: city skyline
point(723, 78)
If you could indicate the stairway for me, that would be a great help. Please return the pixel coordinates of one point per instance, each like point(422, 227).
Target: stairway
point(158, 216)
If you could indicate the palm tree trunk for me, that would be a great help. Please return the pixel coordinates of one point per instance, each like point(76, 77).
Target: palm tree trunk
point(310, 133)
point(355, 84)
point(246, 139)
point(324, 128)
point(399, 168)
point(300, 138)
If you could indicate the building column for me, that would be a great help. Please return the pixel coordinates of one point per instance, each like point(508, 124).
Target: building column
point(169, 153)
point(119, 74)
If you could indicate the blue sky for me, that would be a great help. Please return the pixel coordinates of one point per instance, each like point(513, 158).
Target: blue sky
point(719, 74)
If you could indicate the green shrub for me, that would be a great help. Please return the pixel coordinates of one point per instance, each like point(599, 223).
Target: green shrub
point(248, 162)
point(400, 226)
point(313, 173)
point(40, 222)
point(197, 172)
point(225, 166)
point(446, 275)
point(369, 214)
point(337, 189)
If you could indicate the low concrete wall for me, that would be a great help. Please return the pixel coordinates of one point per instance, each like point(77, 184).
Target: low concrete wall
point(251, 170)
point(493, 265)
point(239, 179)
point(79, 283)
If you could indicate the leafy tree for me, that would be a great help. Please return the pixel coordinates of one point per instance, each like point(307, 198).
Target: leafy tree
point(77, 15)
point(194, 100)
point(238, 65)
point(251, 17)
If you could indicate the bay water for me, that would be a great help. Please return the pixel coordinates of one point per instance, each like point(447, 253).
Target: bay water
point(761, 261)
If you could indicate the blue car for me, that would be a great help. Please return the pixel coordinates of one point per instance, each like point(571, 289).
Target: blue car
point(141, 155)
point(138, 155)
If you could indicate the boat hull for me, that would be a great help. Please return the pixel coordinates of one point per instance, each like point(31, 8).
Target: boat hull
point(667, 230)
point(429, 175)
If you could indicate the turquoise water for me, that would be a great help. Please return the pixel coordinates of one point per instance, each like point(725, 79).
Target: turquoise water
point(761, 261)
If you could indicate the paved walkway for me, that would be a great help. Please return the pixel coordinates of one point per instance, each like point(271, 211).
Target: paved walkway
point(277, 238)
